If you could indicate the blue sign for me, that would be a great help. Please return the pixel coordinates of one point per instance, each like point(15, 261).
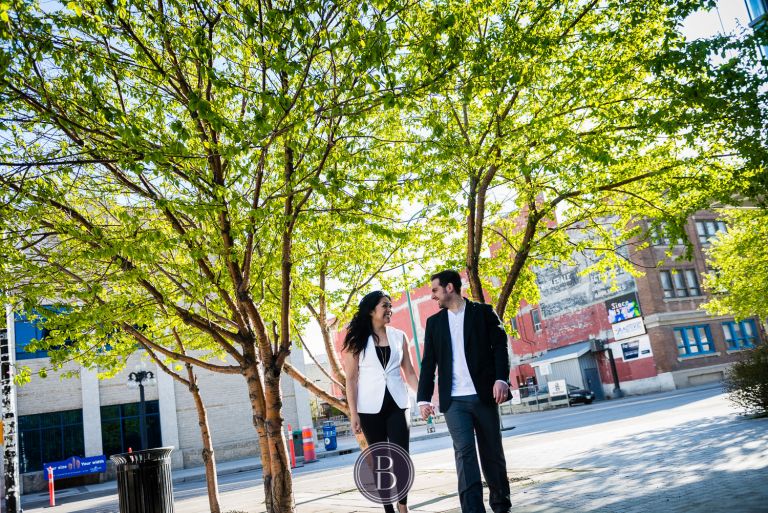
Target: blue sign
point(76, 466)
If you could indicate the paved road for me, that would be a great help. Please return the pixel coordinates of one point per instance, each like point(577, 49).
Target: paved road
point(686, 451)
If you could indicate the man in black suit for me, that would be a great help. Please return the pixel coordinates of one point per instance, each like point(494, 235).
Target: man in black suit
point(467, 344)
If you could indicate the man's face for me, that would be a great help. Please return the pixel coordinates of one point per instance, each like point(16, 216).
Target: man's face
point(440, 293)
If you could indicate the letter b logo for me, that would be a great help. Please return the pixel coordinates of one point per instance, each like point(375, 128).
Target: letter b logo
point(384, 473)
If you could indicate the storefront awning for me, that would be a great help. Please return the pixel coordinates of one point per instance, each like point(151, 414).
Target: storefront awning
point(562, 353)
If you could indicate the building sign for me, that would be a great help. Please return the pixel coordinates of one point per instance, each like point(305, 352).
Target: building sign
point(516, 396)
point(557, 388)
point(76, 466)
point(633, 349)
point(545, 369)
point(628, 329)
point(623, 308)
point(630, 350)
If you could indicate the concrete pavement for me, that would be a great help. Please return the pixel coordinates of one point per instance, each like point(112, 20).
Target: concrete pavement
point(686, 451)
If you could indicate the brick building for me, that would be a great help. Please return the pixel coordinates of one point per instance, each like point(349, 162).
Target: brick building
point(651, 325)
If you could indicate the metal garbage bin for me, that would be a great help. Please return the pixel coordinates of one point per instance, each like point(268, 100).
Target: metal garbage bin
point(329, 435)
point(144, 481)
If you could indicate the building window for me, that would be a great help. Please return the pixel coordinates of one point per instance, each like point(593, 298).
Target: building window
point(680, 283)
point(756, 8)
point(513, 323)
point(660, 238)
point(740, 335)
point(693, 340)
point(708, 229)
point(120, 427)
point(49, 437)
point(27, 331)
point(536, 319)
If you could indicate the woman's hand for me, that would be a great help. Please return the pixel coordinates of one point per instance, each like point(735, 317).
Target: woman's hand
point(354, 421)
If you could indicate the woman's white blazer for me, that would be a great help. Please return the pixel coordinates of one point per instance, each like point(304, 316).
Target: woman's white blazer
point(373, 378)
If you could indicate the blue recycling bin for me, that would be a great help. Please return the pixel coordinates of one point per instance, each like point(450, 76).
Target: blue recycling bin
point(329, 435)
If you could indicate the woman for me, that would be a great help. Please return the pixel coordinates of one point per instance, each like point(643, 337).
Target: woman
point(378, 401)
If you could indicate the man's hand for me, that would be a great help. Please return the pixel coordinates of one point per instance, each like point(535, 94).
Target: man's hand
point(500, 390)
point(426, 410)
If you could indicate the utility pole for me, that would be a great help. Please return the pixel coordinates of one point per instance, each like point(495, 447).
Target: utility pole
point(413, 322)
point(11, 500)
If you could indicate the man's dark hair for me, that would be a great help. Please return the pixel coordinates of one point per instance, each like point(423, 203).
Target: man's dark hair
point(448, 276)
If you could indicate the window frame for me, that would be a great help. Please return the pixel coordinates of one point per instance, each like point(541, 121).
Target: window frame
point(123, 417)
point(737, 340)
point(536, 319)
point(683, 283)
point(40, 435)
point(703, 230)
point(685, 344)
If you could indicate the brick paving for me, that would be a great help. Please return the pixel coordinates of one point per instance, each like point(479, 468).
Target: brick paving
point(695, 456)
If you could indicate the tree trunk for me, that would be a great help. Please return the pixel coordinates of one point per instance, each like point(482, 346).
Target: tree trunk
point(473, 246)
point(209, 459)
point(258, 404)
point(282, 486)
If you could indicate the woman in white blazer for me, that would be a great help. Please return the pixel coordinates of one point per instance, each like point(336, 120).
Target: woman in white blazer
point(376, 359)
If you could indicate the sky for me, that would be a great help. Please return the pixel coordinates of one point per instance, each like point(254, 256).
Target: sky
point(729, 17)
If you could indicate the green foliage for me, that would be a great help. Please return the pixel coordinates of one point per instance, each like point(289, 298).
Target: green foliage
point(747, 381)
point(738, 282)
point(587, 114)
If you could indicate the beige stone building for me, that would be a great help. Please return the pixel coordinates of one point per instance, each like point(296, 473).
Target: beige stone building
point(88, 416)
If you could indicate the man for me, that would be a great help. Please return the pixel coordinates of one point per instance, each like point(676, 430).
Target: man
point(467, 344)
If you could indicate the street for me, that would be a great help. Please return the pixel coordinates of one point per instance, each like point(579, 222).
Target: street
point(688, 450)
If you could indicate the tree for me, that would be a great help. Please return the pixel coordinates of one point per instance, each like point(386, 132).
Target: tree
point(563, 117)
point(739, 258)
point(160, 158)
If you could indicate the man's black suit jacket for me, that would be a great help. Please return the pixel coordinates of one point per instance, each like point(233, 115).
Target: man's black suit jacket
point(485, 348)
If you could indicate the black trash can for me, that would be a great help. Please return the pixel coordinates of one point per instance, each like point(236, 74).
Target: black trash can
point(144, 481)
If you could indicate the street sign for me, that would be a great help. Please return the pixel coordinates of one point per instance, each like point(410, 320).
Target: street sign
point(545, 369)
point(76, 466)
point(516, 396)
point(557, 388)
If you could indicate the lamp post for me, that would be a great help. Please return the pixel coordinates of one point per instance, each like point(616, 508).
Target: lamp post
point(140, 377)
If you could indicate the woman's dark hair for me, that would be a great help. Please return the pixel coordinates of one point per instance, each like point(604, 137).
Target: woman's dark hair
point(361, 326)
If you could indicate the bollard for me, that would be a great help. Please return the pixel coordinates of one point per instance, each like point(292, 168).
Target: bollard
point(308, 444)
point(290, 447)
point(51, 489)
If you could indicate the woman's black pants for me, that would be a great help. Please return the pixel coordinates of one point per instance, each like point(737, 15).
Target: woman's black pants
point(389, 425)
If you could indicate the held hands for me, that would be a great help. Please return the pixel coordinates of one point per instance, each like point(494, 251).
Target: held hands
point(500, 390)
point(426, 410)
point(354, 421)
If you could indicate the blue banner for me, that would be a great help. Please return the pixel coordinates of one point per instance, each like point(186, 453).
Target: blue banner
point(76, 466)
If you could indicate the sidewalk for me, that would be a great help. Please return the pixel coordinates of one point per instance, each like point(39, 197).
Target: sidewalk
point(438, 482)
point(344, 445)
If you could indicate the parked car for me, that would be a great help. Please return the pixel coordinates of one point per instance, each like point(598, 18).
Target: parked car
point(580, 395)
point(576, 395)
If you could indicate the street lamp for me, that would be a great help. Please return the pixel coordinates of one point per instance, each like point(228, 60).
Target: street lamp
point(139, 378)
